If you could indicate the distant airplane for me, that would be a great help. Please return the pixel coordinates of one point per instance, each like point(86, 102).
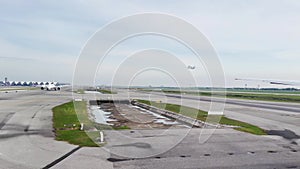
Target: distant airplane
point(275, 82)
point(192, 67)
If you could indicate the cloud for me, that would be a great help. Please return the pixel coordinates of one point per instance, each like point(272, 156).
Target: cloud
point(48, 35)
point(3, 58)
point(291, 55)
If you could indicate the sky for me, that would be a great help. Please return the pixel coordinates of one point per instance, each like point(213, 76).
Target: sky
point(42, 40)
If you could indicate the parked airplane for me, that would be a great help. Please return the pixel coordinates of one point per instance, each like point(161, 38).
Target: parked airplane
point(41, 85)
point(51, 86)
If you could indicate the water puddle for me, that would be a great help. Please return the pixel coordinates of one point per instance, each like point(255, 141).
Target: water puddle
point(131, 116)
point(101, 116)
point(158, 118)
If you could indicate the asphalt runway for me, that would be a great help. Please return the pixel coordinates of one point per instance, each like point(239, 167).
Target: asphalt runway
point(27, 140)
point(224, 149)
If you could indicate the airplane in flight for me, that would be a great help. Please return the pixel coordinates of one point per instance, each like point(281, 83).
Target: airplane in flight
point(191, 67)
point(273, 82)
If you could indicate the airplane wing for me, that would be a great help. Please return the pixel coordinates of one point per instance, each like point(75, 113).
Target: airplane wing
point(275, 82)
point(61, 85)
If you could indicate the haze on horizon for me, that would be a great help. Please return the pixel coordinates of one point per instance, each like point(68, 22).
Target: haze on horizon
point(41, 40)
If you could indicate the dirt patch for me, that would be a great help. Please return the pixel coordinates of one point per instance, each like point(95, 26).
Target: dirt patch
point(135, 118)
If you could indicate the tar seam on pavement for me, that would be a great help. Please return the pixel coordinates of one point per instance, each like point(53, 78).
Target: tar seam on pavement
point(42, 106)
point(6, 118)
point(287, 134)
point(61, 158)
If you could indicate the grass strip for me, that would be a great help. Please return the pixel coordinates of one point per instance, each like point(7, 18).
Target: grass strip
point(248, 96)
point(265, 97)
point(67, 125)
point(106, 91)
point(80, 91)
point(203, 116)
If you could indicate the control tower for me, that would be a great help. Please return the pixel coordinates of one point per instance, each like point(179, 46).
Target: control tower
point(5, 81)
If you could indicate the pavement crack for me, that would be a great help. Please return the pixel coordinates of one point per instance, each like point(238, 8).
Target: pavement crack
point(5, 120)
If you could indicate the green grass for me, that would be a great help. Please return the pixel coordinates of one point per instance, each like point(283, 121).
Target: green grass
point(77, 137)
point(203, 116)
point(270, 91)
point(265, 97)
point(67, 125)
point(248, 96)
point(80, 91)
point(121, 128)
point(66, 122)
point(106, 91)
